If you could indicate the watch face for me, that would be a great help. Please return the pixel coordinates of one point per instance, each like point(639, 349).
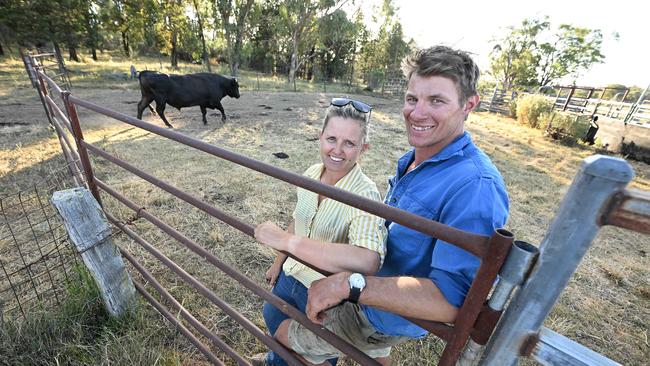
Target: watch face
point(357, 280)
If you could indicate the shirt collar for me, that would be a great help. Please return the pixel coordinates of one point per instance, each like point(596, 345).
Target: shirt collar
point(455, 148)
point(351, 176)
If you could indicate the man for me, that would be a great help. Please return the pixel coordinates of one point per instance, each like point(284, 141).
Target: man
point(445, 178)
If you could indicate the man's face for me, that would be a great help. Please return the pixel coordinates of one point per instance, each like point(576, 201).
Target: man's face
point(433, 114)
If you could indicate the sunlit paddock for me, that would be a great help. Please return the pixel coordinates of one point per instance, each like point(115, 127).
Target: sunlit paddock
point(605, 306)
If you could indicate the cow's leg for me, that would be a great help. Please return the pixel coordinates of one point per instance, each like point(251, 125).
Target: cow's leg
point(160, 108)
point(203, 112)
point(223, 113)
point(143, 103)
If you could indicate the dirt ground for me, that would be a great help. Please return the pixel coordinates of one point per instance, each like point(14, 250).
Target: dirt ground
point(605, 307)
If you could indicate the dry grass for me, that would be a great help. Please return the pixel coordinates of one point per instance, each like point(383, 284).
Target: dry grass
point(605, 306)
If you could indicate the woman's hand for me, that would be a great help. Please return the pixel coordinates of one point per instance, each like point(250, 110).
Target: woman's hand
point(270, 234)
point(273, 273)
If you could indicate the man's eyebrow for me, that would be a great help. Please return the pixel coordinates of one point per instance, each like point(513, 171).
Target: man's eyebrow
point(438, 96)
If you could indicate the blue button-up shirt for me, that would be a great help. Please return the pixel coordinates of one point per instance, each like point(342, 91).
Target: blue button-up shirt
point(459, 187)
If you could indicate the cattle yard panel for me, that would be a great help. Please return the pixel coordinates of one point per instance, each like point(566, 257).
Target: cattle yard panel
point(476, 317)
point(456, 336)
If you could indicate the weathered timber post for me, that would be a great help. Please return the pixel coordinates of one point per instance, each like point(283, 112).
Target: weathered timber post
point(88, 230)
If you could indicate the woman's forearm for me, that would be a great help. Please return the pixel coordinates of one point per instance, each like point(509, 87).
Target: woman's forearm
point(334, 257)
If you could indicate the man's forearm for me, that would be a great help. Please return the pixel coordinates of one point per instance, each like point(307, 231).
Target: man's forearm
point(408, 296)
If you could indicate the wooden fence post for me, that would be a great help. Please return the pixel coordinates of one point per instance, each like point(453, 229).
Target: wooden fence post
point(89, 231)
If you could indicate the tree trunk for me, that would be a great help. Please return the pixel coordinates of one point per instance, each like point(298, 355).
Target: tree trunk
point(94, 53)
point(125, 44)
point(205, 57)
point(72, 51)
point(2, 51)
point(293, 65)
point(174, 53)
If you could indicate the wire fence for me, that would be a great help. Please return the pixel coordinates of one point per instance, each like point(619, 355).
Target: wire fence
point(36, 260)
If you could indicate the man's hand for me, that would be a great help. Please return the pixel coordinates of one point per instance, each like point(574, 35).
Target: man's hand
point(326, 293)
point(270, 234)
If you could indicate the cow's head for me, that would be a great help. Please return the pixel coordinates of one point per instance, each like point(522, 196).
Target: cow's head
point(233, 91)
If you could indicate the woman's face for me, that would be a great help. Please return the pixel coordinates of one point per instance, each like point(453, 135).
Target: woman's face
point(341, 144)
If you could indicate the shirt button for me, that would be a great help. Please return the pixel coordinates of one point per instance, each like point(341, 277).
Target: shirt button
point(393, 200)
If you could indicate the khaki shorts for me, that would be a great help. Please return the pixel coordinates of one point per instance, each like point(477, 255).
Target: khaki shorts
point(348, 322)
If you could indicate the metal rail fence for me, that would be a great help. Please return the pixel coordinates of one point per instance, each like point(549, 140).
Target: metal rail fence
point(492, 251)
point(519, 333)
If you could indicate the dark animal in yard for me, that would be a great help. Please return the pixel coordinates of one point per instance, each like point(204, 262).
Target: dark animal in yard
point(203, 89)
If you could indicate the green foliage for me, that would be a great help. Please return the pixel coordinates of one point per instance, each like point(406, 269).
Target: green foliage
point(575, 126)
point(513, 61)
point(385, 52)
point(533, 109)
point(524, 59)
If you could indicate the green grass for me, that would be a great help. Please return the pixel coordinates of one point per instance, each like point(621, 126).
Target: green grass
point(81, 332)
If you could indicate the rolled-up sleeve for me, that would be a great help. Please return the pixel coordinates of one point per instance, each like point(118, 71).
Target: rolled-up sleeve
point(478, 206)
point(367, 230)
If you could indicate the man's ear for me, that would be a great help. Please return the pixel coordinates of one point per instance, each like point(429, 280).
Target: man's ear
point(471, 103)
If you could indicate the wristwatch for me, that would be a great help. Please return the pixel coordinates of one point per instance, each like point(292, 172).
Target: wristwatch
point(357, 283)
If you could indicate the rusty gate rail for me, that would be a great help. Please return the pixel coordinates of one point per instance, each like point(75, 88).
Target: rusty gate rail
point(491, 251)
point(212, 259)
point(473, 243)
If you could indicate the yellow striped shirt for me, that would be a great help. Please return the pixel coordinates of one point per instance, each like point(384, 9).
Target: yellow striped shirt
point(336, 222)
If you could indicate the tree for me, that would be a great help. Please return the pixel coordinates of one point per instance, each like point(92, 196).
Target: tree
point(234, 21)
point(381, 56)
point(574, 50)
point(204, 54)
point(513, 60)
point(337, 44)
point(521, 59)
point(265, 45)
point(300, 19)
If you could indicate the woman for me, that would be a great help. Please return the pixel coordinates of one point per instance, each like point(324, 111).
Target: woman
point(326, 233)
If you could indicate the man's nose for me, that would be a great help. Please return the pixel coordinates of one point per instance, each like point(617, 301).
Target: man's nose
point(418, 111)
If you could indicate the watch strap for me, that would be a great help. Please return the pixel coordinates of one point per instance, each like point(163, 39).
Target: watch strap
point(355, 293)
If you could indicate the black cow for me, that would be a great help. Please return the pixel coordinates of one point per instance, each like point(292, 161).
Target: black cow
point(202, 89)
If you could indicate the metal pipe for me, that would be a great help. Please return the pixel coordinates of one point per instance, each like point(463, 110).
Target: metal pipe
point(440, 329)
point(514, 271)
point(630, 209)
point(183, 312)
point(162, 310)
point(473, 243)
point(565, 243)
point(245, 281)
point(498, 247)
point(78, 136)
point(194, 201)
point(210, 295)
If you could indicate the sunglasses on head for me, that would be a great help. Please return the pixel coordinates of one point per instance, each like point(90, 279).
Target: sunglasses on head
point(359, 106)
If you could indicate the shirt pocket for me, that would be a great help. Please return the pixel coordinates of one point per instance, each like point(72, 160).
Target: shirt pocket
point(408, 241)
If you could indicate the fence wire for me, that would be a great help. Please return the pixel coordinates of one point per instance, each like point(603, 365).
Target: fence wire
point(36, 260)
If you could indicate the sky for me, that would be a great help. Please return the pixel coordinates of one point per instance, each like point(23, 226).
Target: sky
point(472, 25)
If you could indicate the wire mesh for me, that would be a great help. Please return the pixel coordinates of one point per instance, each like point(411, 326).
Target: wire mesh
point(36, 260)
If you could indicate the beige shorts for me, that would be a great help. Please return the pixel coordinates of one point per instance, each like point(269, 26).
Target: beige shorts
point(348, 322)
